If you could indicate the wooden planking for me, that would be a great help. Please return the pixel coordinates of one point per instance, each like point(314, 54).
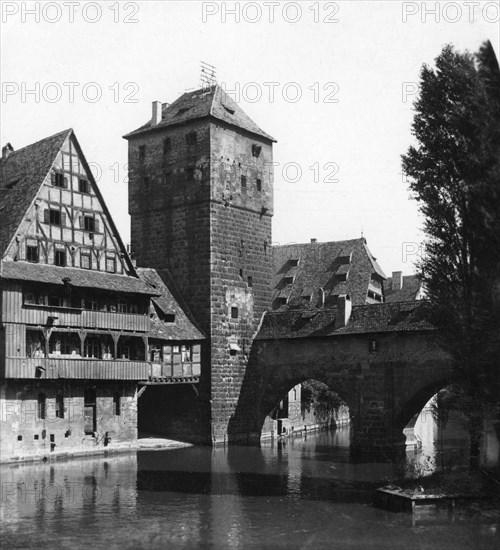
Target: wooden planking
point(95, 369)
point(38, 315)
point(77, 368)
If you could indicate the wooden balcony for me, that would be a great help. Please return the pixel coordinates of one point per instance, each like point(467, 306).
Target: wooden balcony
point(95, 369)
point(81, 318)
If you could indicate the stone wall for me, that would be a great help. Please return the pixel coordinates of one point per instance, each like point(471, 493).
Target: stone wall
point(24, 434)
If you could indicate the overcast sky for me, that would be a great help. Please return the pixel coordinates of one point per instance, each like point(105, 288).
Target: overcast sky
point(333, 82)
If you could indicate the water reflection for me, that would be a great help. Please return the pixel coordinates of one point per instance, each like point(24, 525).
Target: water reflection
point(301, 492)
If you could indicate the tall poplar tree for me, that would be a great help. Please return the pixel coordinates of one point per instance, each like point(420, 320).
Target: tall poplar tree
point(454, 174)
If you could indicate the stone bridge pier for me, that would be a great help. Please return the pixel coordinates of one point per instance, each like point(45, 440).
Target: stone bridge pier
point(385, 379)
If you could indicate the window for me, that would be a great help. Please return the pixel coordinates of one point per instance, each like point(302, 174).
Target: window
point(146, 183)
point(372, 345)
point(167, 178)
point(54, 217)
point(256, 149)
point(56, 301)
point(42, 406)
point(142, 153)
point(89, 223)
point(189, 173)
point(58, 180)
point(191, 138)
point(186, 354)
point(234, 313)
point(123, 306)
point(243, 181)
point(35, 344)
point(91, 303)
point(85, 261)
point(116, 404)
point(60, 258)
point(110, 264)
point(91, 347)
point(167, 146)
point(259, 184)
point(64, 343)
point(83, 186)
point(59, 406)
point(250, 280)
point(32, 253)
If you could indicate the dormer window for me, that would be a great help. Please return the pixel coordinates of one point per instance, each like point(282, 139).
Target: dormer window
point(288, 280)
point(294, 262)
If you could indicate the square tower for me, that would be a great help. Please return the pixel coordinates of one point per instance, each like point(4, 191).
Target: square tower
point(201, 204)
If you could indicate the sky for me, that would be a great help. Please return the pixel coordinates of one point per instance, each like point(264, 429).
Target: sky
point(332, 82)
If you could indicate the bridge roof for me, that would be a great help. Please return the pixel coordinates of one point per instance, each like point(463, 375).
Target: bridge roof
point(373, 318)
point(338, 267)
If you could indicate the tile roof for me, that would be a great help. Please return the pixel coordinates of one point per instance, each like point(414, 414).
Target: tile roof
point(182, 328)
point(206, 102)
point(325, 266)
point(82, 278)
point(367, 319)
point(21, 175)
point(411, 289)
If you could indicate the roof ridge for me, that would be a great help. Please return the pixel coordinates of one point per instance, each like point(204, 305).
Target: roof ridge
point(15, 151)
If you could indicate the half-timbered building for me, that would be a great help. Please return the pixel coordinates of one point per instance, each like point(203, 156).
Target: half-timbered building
point(81, 333)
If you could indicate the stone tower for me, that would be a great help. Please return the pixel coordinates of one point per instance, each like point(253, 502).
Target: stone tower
point(201, 203)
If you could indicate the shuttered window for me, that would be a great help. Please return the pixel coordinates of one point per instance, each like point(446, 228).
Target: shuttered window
point(54, 216)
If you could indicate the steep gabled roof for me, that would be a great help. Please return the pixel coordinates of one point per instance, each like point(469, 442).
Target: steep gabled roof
point(21, 175)
point(208, 102)
point(411, 289)
point(332, 268)
point(182, 328)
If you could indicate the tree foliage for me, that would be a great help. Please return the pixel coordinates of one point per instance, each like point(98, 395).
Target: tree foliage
point(454, 172)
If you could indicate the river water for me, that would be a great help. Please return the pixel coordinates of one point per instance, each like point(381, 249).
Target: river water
point(303, 492)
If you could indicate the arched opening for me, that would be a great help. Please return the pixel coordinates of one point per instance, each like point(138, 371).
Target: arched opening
point(450, 431)
point(305, 406)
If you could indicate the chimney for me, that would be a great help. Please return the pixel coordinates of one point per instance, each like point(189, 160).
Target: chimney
point(6, 151)
point(156, 118)
point(397, 280)
point(314, 240)
point(344, 308)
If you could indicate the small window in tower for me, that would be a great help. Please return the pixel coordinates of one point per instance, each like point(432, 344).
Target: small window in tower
point(142, 153)
point(83, 186)
point(191, 138)
point(167, 178)
point(146, 183)
point(259, 184)
point(60, 258)
point(234, 313)
point(167, 146)
point(243, 181)
point(256, 149)
point(32, 253)
point(250, 280)
point(189, 173)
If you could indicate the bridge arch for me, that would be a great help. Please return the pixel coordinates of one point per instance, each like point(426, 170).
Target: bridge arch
point(383, 388)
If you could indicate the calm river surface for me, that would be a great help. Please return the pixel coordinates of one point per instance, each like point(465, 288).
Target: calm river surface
point(302, 493)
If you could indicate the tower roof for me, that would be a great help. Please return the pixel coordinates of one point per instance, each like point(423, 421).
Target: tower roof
point(211, 102)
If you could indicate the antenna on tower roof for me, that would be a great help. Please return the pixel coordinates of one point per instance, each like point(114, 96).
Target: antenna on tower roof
point(207, 75)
